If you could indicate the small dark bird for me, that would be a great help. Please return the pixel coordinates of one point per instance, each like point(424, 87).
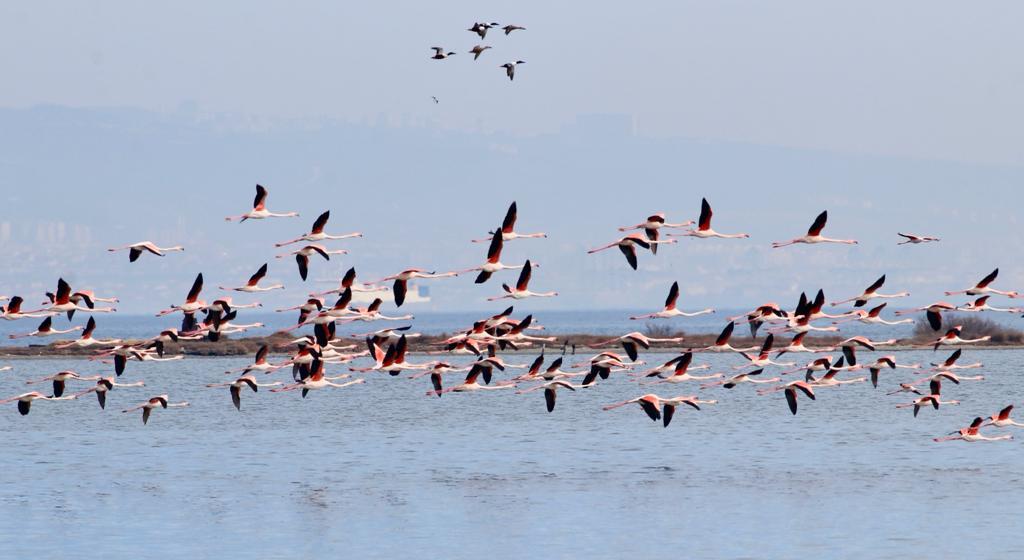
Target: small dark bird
point(481, 28)
point(478, 50)
point(510, 68)
point(510, 28)
point(439, 53)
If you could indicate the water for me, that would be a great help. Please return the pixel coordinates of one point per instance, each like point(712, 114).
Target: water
point(380, 470)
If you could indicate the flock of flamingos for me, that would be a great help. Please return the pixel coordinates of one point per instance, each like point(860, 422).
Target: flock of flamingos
point(386, 349)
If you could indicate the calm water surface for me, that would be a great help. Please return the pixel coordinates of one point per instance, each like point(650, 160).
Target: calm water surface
point(380, 470)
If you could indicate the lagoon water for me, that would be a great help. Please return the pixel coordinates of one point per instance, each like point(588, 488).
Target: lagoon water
point(381, 470)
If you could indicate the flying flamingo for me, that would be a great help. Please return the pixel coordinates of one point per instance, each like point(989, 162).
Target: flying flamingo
point(259, 209)
point(303, 254)
point(311, 305)
point(103, 386)
point(59, 379)
point(949, 376)
point(704, 230)
point(916, 239)
point(259, 364)
point(983, 288)
point(746, 377)
point(631, 341)
point(401, 285)
point(952, 338)
point(886, 362)
point(550, 391)
point(981, 304)
point(763, 359)
point(933, 399)
point(159, 401)
point(472, 384)
point(722, 342)
point(436, 373)
point(791, 395)
point(670, 309)
point(190, 306)
point(682, 374)
point(651, 405)
point(87, 340)
point(45, 328)
point(628, 245)
point(317, 233)
point(654, 223)
point(372, 313)
point(871, 293)
point(25, 400)
point(508, 226)
point(493, 263)
point(933, 313)
point(348, 282)
point(668, 406)
point(235, 387)
point(135, 250)
point(670, 366)
point(1002, 419)
point(252, 286)
point(971, 434)
point(12, 311)
point(830, 379)
point(814, 235)
point(521, 289)
point(312, 378)
point(797, 346)
point(64, 301)
point(951, 363)
point(874, 317)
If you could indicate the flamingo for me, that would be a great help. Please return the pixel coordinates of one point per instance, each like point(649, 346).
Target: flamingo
point(653, 224)
point(668, 406)
point(722, 342)
point(439, 53)
point(510, 68)
point(259, 209)
point(871, 293)
point(312, 378)
point(873, 317)
point(510, 28)
point(515, 335)
point(797, 346)
point(984, 288)
point(651, 405)
point(103, 386)
point(521, 289)
point(45, 328)
point(933, 399)
point(389, 335)
point(135, 250)
point(25, 400)
point(670, 366)
point(916, 239)
point(63, 301)
point(303, 254)
point(949, 376)
point(190, 306)
point(235, 387)
point(1003, 420)
point(952, 338)
point(682, 374)
point(768, 312)
point(763, 359)
point(791, 393)
point(704, 231)
point(951, 363)
point(814, 235)
point(260, 363)
point(305, 310)
point(159, 401)
point(252, 286)
point(316, 233)
point(670, 309)
point(971, 434)
point(933, 313)
point(886, 362)
point(436, 372)
point(981, 304)
point(472, 384)
point(631, 341)
point(372, 313)
point(628, 245)
point(12, 311)
point(746, 377)
point(508, 226)
point(830, 379)
point(401, 285)
point(493, 263)
point(59, 380)
point(550, 391)
point(603, 365)
point(818, 364)
point(87, 340)
point(349, 282)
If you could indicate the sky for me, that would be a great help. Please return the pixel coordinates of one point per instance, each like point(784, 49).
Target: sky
point(126, 121)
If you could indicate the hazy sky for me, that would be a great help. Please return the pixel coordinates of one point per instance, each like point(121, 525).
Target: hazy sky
point(925, 78)
point(125, 121)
